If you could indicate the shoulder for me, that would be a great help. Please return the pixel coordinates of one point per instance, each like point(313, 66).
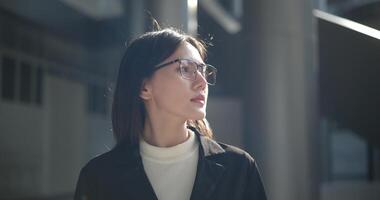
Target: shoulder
point(240, 170)
point(226, 154)
point(238, 163)
point(234, 152)
point(96, 164)
point(99, 172)
point(106, 161)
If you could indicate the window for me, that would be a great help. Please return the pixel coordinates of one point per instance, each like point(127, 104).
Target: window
point(25, 83)
point(39, 81)
point(21, 83)
point(346, 156)
point(8, 78)
point(349, 159)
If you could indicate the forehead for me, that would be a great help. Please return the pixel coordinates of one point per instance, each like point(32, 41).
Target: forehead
point(186, 50)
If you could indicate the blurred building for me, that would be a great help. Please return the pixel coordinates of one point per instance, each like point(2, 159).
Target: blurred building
point(297, 87)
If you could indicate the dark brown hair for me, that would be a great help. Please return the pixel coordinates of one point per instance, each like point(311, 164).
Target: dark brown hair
point(137, 64)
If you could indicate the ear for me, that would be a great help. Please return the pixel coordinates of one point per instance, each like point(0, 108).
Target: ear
point(146, 90)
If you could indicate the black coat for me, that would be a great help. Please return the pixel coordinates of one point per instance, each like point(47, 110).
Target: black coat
point(223, 172)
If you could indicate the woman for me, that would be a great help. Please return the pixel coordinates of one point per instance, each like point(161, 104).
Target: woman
point(164, 148)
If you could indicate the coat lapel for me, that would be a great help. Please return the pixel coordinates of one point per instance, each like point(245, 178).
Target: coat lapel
point(209, 172)
point(135, 182)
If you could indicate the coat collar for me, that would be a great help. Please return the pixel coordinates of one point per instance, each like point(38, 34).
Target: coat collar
point(209, 171)
point(208, 146)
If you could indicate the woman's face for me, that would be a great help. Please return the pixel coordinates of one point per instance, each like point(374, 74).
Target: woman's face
point(167, 93)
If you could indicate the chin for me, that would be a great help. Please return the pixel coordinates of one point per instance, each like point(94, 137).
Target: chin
point(199, 116)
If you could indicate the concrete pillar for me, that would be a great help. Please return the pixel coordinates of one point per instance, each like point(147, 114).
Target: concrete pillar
point(136, 8)
point(181, 14)
point(281, 96)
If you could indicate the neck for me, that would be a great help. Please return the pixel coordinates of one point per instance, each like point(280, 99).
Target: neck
point(165, 133)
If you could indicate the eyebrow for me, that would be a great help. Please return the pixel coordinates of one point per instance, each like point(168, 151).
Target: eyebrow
point(203, 63)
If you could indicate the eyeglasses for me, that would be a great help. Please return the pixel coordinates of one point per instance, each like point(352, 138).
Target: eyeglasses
point(189, 69)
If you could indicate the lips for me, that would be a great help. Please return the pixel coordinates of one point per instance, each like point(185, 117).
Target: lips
point(200, 99)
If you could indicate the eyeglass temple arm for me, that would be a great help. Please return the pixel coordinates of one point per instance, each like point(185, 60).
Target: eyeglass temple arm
point(166, 64)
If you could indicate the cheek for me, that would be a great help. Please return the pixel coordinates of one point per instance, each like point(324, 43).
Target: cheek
point(171, 92)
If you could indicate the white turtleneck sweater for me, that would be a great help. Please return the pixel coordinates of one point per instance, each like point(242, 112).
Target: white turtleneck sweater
point(171, 170)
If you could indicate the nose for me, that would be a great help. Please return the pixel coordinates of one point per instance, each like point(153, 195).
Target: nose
point(200, 82)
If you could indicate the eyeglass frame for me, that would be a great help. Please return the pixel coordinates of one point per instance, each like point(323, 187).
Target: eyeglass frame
point(199, 65)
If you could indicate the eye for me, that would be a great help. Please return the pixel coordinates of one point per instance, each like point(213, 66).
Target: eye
point(202, 69)
point(188, 66)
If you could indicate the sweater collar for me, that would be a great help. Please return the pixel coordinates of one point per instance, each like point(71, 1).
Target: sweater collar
point(207, 148)
point(172, 153)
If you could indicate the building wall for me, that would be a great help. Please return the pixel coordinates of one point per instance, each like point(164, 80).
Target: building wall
point(65, 140)
point(46, 139)
point(42, 148)
point(21, 149)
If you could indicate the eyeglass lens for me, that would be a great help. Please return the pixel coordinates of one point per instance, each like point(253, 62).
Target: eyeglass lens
point(189, 69)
